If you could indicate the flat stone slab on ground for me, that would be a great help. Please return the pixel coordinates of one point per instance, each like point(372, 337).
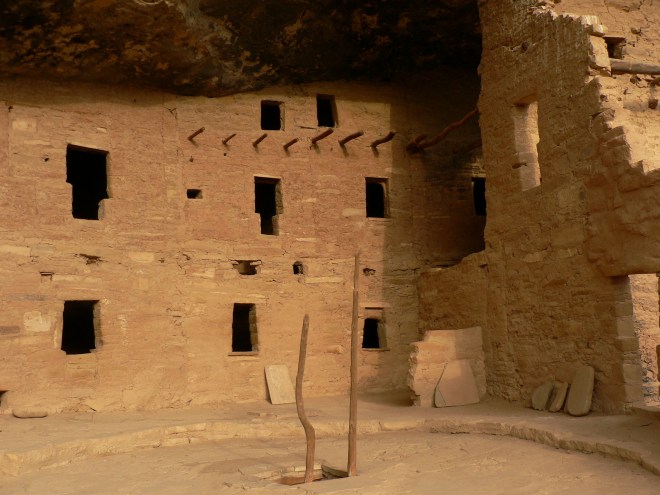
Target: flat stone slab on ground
point(578, 402)
point(541, 396)
point(456, 386)
point(280, 388)
point(24, 413)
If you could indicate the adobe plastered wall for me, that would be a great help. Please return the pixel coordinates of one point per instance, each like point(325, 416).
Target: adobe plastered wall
point(552, 306)
point(161, 265)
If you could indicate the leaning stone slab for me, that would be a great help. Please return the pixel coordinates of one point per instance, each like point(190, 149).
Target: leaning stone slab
point(541, 396)
point(457, 386)
point(558, 396)
point(578, 402)
point(25, 413)
point(280, 388)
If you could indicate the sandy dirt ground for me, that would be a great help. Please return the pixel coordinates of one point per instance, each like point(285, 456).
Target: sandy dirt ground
point(389, 463)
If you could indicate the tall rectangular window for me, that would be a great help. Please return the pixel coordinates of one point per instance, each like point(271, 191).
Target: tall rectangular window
point(244, 328)
point(271, 115)
point(479, 195)
point(326, 111)
point(373, 331)
point(87, 174)
point(79, 327)
point(526, 127)
point(268, 203)
point(376, 197)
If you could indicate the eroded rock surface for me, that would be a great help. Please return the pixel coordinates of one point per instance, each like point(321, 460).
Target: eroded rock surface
point(211, 48)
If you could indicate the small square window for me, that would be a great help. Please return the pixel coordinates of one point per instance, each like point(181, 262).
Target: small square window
point(194, 194)
point(271, 115)
point(298, 268)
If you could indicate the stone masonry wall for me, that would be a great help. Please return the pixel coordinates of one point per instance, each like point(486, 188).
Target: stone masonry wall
point(550, 306)
point(162, 265)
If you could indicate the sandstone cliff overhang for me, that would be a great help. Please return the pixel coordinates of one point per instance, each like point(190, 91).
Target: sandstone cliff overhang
point(213, 47)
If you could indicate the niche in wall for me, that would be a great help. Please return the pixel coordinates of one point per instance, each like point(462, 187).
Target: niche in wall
point(526, 128)
point(86, 171)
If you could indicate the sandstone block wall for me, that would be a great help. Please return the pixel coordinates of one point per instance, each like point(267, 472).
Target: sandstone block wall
point(430, 356)
point(552, 248)
point(163, 266)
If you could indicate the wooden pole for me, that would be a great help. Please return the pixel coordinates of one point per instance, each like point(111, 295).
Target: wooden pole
point(323, 135)
point(196, 133)
point(420, 144)
point(623, 67)
point(352, 419)
point(378, 142)
point(300, 405)
point(350, 137)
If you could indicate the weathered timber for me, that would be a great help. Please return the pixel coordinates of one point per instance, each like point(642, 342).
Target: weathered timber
point(310, 434)
point(350, 137)
point(625, 67)
point(352, 419)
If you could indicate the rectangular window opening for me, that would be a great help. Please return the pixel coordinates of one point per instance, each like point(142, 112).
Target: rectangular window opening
point(479, 195)
point(194, 193)
point(268, 203)
point(373, 331)
point(244, 328)
point(326, 111)
point(247, 267)
point(86, 171)
point(79, 328)
point(298, 268)
point(526, 128)
point(271, 115)
point(376, 198)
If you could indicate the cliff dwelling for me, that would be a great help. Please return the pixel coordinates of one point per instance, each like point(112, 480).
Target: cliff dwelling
point(181, 182)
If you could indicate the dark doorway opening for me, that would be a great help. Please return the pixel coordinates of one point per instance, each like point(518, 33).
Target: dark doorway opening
point(78, 329)
point(298, 268)
point(87, 174)
point(271, 115)
point(244, 328)
point(267, 203)
point(194, 193)
point(376, 197)
point(479, 195)
point(326, 111)
point(370, 334)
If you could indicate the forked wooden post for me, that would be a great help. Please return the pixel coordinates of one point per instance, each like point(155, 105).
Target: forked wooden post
point(310, 435)
point(352, 418)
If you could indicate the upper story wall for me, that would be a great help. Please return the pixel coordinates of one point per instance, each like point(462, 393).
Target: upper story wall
point(162, 265)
